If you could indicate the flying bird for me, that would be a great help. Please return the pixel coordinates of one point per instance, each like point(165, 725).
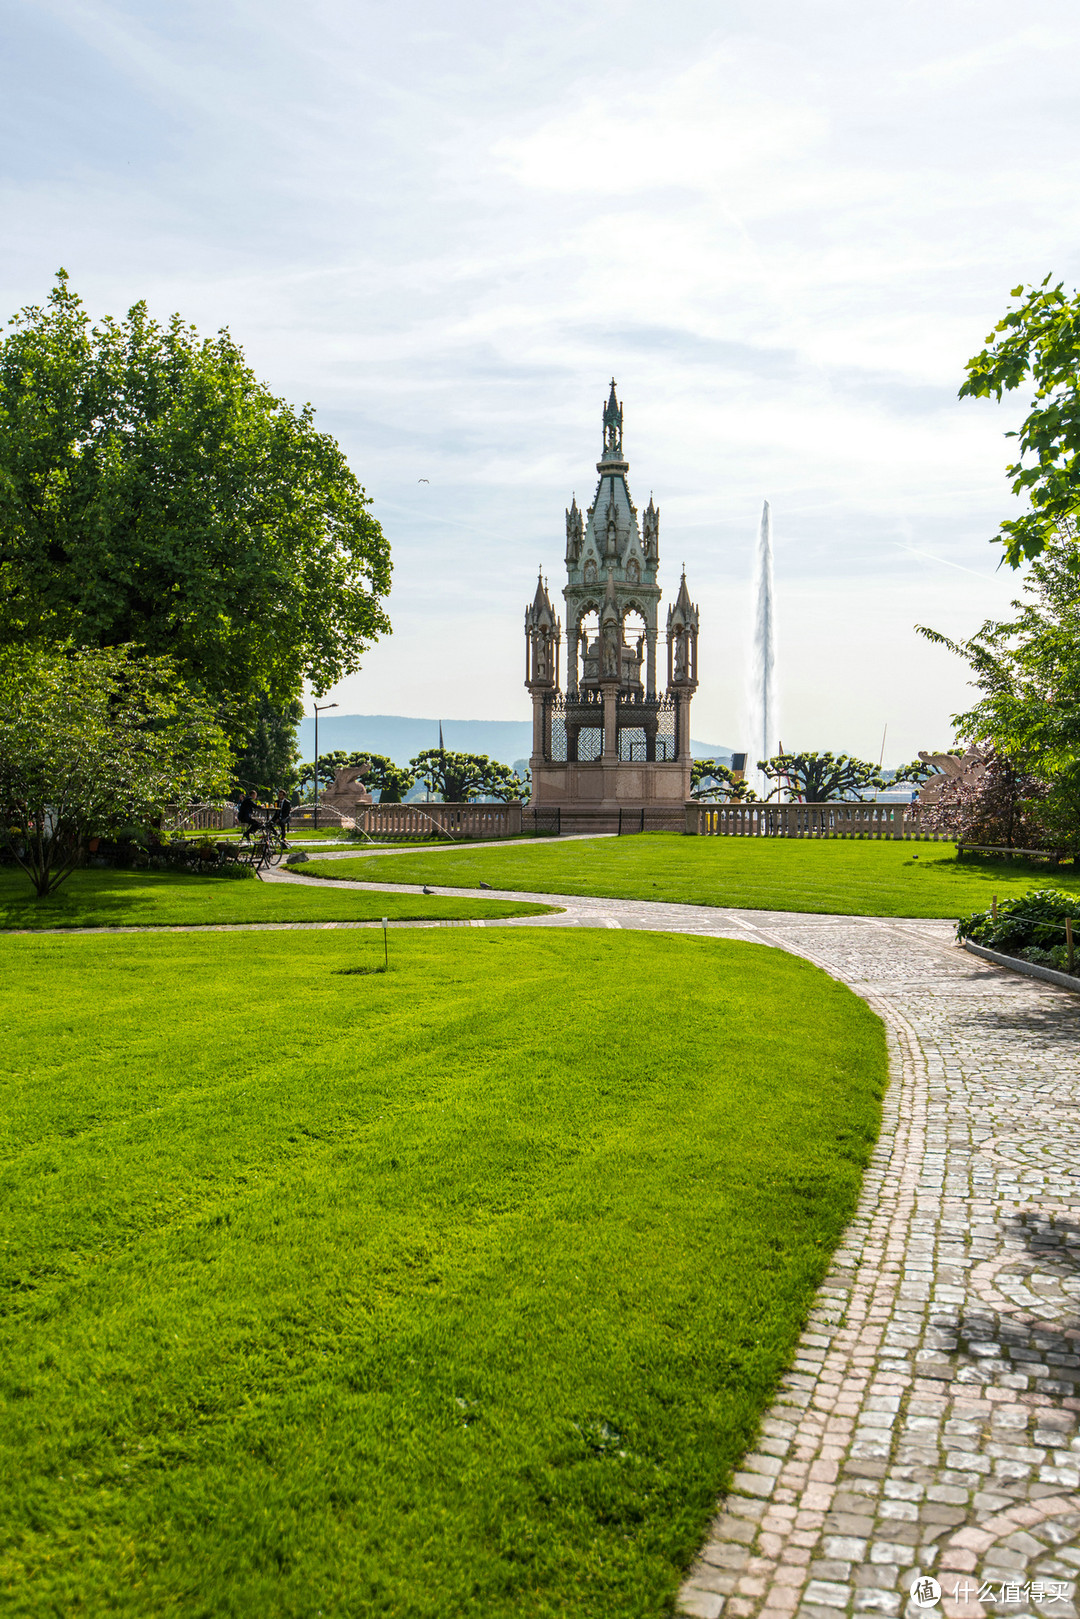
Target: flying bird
point(423, 480)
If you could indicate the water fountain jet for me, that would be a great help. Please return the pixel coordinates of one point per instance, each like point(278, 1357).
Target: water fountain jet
point(762, 708)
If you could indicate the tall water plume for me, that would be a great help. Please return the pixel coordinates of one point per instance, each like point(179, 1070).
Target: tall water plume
point(762, 714)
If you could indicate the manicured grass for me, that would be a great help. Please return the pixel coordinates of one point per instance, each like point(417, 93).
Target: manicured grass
point(454, 1291)
point(94, 899)
point(771, 874)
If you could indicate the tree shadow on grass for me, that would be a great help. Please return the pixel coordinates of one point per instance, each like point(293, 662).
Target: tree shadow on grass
point(105, 898)
point(1039, 873)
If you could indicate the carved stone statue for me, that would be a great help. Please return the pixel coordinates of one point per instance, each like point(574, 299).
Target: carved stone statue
point(966, 771)
point(680, 655)
point(611, 649)
point(347, 791)
point(611, 530)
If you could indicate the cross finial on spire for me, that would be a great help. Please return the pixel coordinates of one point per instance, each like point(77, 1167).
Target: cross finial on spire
point(612, 424)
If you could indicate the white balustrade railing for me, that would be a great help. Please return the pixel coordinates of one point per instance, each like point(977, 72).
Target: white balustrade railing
point(445, 820)
point(833, 820)
point(199, 818)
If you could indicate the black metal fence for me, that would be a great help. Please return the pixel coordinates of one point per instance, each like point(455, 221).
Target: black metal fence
point(647, 728)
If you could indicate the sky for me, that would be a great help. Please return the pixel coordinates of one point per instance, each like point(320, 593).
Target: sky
point(783, 228)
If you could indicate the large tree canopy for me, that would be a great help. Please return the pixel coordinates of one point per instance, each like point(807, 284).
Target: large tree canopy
point(817, 778)
point(153, 492)
point(710, 779)
point(460, 777)
point(267, 762)
point(1038, 341)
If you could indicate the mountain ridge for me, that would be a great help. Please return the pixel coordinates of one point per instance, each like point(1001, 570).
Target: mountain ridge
point(402, 736)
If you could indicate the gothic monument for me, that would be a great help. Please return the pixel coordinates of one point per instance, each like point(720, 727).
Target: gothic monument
point(611, 741)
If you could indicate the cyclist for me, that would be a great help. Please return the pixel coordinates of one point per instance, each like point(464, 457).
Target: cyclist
point(245, 814)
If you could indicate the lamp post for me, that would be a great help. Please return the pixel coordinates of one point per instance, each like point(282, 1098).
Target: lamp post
point(319, 709)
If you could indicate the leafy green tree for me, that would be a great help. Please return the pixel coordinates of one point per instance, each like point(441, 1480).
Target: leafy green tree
point(710, 779)
point(92, 741)
point(1027, 671)
point(819, 778)
point(916, 772)
point(154, 492)
point(461, 777)
point(1039, 341)
point(329, 765)
point(389, 780)
point(268, 759)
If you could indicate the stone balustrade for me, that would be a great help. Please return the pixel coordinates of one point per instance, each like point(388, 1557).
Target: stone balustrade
point(832, 820)
point(199, 818)
point(446, 820)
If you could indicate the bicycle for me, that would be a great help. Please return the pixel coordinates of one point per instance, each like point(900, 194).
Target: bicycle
point(264, 843)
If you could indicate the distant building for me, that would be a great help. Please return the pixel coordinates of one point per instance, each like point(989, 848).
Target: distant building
point(611, 740)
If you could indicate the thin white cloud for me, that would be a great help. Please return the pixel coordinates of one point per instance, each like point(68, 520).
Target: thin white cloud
point(785, 233)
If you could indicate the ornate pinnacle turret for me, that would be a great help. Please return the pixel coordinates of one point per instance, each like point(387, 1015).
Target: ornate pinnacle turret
point(612, 426)
point(574, 531)
point(650, 531)
point(543, 633)
point(541, 613)
point(682, 634)
point(683, 608)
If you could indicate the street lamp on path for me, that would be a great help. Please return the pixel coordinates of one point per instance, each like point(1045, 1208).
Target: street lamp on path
point(319, 709)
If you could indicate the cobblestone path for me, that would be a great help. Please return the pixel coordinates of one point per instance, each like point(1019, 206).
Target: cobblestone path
point(929, 1423)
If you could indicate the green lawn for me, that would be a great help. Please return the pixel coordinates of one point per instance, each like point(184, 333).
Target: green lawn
point(770, 874)
point(454, 1291)
point(93, 898)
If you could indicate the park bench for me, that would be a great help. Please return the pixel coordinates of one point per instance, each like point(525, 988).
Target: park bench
point(1055, 856)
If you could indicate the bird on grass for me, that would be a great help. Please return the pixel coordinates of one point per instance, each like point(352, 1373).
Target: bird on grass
point(485, 885)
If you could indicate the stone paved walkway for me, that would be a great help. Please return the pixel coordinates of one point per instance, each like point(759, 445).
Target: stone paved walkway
point(929, 1423)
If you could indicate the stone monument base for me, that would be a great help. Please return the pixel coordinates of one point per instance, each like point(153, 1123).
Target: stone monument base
point(611, 785)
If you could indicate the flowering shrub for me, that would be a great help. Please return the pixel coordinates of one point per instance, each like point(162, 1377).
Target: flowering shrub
point(1001, 807)
point(1031, 926)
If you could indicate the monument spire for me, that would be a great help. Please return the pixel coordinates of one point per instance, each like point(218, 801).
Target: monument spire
point(612, 426)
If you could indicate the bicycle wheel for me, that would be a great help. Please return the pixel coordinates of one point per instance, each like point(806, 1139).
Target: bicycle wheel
point(265, 855)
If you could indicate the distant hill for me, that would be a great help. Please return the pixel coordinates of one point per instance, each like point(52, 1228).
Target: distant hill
point(400, 737)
